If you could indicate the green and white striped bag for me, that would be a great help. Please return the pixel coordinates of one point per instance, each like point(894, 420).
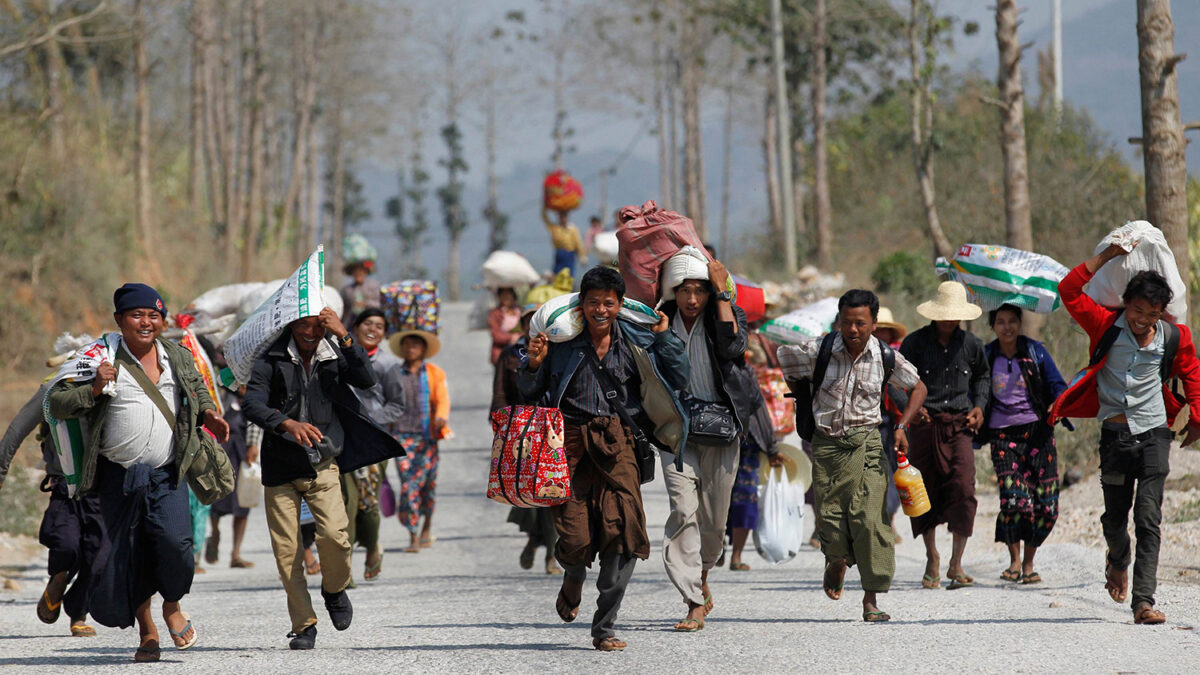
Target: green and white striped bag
point(561, 318)
point(71, 436)
point(998, 275)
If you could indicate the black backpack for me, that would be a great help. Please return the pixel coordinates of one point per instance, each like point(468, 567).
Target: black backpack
point(804, 391)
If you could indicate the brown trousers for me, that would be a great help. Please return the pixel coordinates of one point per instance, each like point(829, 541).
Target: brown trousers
point(941, 450)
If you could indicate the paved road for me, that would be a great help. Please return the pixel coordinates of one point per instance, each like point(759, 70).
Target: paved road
point(465, 605)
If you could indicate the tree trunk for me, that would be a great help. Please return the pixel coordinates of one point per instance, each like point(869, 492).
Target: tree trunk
point(196, 109)
point(1017, 224)
point(673, 201)
point(304, 101)
point(822, 208)
point(337, 189)
point(56, 90)
point(771, 155)
point(214, 125)
point(252, 212)
point(922, 131)
point(147, 241)
point(726, 166)
point(664, 153)
point(229, 98)
point(1163, 143)
point(496, 238)
point(96, 105)
point(559, 132)
point(693, 154)
point(799, 153)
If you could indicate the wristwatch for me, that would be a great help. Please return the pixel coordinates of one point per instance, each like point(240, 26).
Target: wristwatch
point(901, 427)
point(725, 295)
point(346, 340)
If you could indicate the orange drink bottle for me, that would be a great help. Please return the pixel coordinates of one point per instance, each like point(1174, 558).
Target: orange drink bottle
point(911, 488)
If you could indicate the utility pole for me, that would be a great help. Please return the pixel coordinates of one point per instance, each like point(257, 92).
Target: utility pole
point(1056, 19)
point(784, 120)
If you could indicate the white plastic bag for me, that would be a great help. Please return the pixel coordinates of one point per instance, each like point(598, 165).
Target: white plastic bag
point(689, 263)
point(249, 485)
point(1151, 253)
point(780, 530)
point(998, 275)
point(561, 318)
point(606, 248)
point(506, 269)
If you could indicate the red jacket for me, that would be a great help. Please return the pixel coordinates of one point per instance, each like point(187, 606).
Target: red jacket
point(1080, 398)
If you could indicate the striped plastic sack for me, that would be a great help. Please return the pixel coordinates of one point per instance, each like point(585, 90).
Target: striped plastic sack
point(561, 318)
point(810, 321)
point(998, 275)
point(71, 436)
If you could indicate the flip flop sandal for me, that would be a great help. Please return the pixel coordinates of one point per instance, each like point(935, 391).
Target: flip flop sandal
point(187, 644)
point(1147, 615)
point(689, 625)
point(526, 557)
point(609, 644)
point(739, 567)
point(211, 546)
point(1031, 578)
point(830, 590)
point(428, 543)
point(412, 549)
point(875, 617)
point(708, 604)
point(960, 581)
point(1011, 575)
point(371, 572)
point(148, 653)
point(82, 630)
point(48, 612)
point(565, 611)
point(1116, 591)
point(930, 582)
point(240, 563)
point(552, 566)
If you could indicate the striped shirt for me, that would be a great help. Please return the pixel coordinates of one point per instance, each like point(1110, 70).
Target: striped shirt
point(584, 397)
point(702, 384)
point(850, 394)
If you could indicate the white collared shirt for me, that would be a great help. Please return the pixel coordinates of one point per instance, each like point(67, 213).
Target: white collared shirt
point(135, 431)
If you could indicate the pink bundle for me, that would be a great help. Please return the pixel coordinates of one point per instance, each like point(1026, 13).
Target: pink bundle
point(648, 236)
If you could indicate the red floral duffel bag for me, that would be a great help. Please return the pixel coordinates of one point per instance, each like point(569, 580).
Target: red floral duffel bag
point(774, 389)
point(529, 466)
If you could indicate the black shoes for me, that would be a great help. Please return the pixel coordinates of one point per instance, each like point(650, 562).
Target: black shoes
point(307, 638)
point(340, 610)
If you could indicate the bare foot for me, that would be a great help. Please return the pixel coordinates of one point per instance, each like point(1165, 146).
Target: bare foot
point(835, 577)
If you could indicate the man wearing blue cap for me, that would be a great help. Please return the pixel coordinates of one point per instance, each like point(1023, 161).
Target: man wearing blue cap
point(143, 414)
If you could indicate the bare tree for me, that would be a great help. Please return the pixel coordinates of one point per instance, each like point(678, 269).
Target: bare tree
point(304, 103)
point(922, 32)
point(143, 225)
point(1162, 139)
point(822, 206)
point(727, 158)
point(196, 109)
point(693, 151)
point(771, 156)
point(256, 143)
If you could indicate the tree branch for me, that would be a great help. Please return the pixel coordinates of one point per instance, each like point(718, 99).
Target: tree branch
point(993, 101)
point(1171, 62)
point(1136, 140)
point(1191, 126)
point(53, 31)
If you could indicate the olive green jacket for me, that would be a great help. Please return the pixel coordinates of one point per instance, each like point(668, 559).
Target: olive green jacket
point(69, 400)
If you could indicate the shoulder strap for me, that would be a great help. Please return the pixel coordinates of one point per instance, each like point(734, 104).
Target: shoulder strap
point(139, 376)
point(889, 362)
point(1170, 348)
point(822, 364)
point(1106, 341)
point(609, 384)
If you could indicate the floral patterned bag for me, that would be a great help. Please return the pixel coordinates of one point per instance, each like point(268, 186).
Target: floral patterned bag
point(774, 389)
point(529, 467)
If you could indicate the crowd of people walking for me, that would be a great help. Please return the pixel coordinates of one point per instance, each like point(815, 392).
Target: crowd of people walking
point(336, 400)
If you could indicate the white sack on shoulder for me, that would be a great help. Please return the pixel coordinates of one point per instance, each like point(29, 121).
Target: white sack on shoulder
point(689, 263)
point(561, 318)
point(607, 248)
point(1151, 253)
point(506, 268)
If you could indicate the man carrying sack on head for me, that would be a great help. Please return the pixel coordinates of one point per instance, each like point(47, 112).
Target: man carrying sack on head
point(954, 368)
point(144, 410)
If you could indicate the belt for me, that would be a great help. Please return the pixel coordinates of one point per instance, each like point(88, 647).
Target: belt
point(1121, 429)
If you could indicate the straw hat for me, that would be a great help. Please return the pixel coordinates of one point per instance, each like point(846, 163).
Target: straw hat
point(886, 320)
point(432, 344)
point(796, 465)
point(950, 304)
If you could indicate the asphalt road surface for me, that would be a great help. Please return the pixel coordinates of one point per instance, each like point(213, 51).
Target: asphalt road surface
point(466, 606)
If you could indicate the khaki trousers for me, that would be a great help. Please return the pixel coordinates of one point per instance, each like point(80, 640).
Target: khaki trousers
point(324, 497)
point(695, 532)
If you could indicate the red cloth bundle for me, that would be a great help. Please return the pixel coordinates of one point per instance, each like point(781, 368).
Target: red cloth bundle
point(648, 236)
point(750, 298)
point(561, 192)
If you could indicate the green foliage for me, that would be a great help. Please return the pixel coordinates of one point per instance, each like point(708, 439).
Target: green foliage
point(450, 195)
point(905, 273)
point(354, 202)
point(21, 502)
point(497, 224)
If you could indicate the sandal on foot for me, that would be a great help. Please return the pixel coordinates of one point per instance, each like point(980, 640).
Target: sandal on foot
point(176, 636)
point(609, 644)
point(371, 572)
point(148, 652)
point(928, 581)
point(739, 567)
point(831, 591)
point(873, 617)
point(1146, 614)
point(960, 581)
point(552, 567)
point(48, 612)
point(1011, 575)
point(566, 611)
point(240, 564)
point(1116, 582)
point(708, 604)
point(211, 546)
point(690, 625)
point(526, 557)
point(1031, 578)
point(427, 542)
point(82, 630)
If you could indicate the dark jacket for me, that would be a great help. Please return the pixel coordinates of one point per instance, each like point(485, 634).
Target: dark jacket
point(504, 380)
point(727, 350)
point(70, 400)
point(662, 365)
point(1043, 382)
point(273, 396)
